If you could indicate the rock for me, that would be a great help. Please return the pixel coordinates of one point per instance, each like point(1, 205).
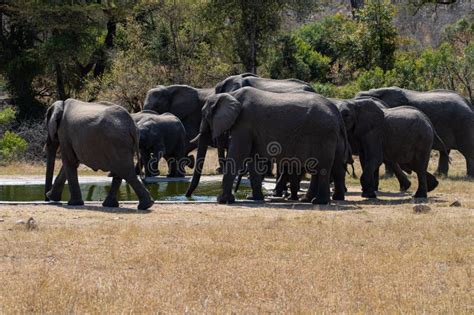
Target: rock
point(456, 203)
point(421, 208)
point(31, 224)
point(2, 220)
point(20, 222)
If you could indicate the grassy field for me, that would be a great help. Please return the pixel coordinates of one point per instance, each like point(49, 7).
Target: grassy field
point(352, 256)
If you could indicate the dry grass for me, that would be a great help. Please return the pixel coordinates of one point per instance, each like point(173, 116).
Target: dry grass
point(355, 256)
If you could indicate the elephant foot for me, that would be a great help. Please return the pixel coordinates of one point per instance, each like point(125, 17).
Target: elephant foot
point(145, 204)
point(256, 198)
point(52, 196)
point(339, 196)
point(110, 202)
point(293, 198)
point(432, 184)
point(320, 201)
point(420, 195)
point(405, 186)
point(306, 199)
point(75, 202)
point(225, 199)
point(370, 195)
point(277, 193)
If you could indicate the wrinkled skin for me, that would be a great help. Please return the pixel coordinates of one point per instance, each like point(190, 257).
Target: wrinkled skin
point(401, 135)
point(257, 119)
point(102, 136)
point(451, 114)
point(162, 136)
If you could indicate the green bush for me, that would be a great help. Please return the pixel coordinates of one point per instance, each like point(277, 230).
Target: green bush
point(12, 146)
point(7, 116)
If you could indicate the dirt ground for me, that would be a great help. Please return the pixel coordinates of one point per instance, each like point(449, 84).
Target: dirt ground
point(352, 256)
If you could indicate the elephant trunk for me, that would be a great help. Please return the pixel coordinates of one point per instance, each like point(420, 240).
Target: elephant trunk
point(51, 149)
point(204, 141)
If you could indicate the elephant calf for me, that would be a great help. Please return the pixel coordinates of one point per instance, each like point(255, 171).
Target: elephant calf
point(100, 135)
point(162, 136)
point(402, 135)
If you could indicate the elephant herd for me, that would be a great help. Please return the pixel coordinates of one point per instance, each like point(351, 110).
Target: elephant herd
point(257, 123)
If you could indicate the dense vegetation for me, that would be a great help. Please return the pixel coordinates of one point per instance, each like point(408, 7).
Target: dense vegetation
point(116, 50)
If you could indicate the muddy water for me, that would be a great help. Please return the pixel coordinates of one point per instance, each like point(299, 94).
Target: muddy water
point(166, 191)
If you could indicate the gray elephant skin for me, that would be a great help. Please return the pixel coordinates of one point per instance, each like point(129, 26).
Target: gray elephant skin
point(162, 136)
point(258, 119)
point(450, 113)
point(99, 135)
point(402, 135)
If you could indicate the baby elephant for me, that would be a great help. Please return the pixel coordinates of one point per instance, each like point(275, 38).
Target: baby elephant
point(402, 135)
point(162, 136)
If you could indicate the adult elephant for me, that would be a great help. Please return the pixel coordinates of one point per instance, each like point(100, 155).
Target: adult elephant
point(100, 135)
point(401, 135)
point(301, 127)
point(450, 113)
point(183, 101)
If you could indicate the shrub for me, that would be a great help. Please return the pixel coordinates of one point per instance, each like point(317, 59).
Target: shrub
point(7, 116)
point(12, 146)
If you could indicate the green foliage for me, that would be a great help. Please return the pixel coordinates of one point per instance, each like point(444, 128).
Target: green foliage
point(295, 59)
point(7, 116)
point(11, 146)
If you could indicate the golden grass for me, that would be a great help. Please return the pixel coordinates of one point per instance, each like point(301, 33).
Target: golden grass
point(354, 256)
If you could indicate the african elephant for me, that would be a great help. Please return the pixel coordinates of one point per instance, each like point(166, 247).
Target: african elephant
point(259, 123)
point(162, 136)
point(450, 113)
point(402, 135)
point(235, 82)
point(99, 135)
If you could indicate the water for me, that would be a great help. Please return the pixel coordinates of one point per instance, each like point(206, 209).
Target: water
point(165, 191)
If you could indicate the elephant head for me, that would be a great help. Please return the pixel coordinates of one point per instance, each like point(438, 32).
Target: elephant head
point(392, 96)
point(158, 99)
point(218, 116)
point(361, 116)
point(53, 119)
point(232, 83)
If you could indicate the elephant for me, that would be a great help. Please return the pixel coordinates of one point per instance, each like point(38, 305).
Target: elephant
point(236, 82)
point(451, 114)
point(302, 129)
point(185, 102)
point(99, 135)
point(402, 135)
point(163, 136)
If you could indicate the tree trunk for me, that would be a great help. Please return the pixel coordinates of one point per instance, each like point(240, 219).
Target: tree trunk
point(60, 91)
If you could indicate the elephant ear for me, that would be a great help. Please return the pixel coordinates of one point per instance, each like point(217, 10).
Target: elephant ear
point(221, 112)
point(230, 84)
point(369, 116)
point(53, 118)
point(158, 99)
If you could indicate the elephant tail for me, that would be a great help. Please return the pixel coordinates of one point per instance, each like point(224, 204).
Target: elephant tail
point(445, 150)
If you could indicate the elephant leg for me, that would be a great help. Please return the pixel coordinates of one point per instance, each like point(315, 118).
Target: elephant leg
point(443, 163)
point(320, 184)
point(221, 156)
point(339, 175)
point(255, 182)
point(70, 167)
point(239, 150)
point(281, 182)
point(367, 179)
point(58, 186)
point(145, 200)
point(376, 178)
point(294, 186)
point(269, 172)
point(111, 200)
point(431, 182)
point(402, 178)
point(389, 171)
point(422, 190)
